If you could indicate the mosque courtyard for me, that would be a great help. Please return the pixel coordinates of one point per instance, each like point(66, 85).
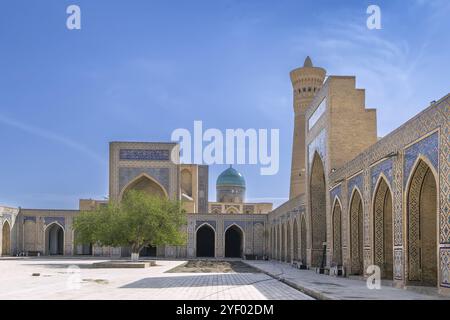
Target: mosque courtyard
point(76, 279)
point(62, 278)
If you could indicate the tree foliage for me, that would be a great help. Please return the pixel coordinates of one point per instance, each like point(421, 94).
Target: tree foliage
point(139, 220)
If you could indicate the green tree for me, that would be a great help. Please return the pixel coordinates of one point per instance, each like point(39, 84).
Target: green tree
point(139, 220)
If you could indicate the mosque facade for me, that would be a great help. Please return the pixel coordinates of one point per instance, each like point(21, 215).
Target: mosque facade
point(355, 200)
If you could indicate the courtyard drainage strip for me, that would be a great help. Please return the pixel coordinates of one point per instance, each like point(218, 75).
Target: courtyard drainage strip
point(310, 292)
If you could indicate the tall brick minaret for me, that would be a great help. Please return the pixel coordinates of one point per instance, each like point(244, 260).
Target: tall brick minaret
point(306, 81)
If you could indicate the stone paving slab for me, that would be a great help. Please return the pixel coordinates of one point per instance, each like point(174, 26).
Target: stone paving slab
point(326, 287)
point(59, 282)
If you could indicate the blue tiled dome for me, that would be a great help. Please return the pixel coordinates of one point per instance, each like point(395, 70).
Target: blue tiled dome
point(231, 177)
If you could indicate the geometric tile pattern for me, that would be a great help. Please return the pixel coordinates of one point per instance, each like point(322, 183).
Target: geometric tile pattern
point(355, 181)
point(144, 155)
point(445, 267)
point(384, 167)
point(127, 174)
point(212, 223)
point(60, 220)
point(428, 147)
point(335, 192)
point(379, 224)
point(413, 221)
point(319, 145)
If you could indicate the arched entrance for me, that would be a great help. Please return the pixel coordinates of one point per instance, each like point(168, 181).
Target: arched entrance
point(148, 185)
point(303, 240)
point(382, 230)
point(422, 224)
point(318, 211)
point(233, 242)
point(206, 241)
point(289, 242)
point(337, 234)
point(6, 239)
point(356, 234)
point(54, 240)
point(295, 235)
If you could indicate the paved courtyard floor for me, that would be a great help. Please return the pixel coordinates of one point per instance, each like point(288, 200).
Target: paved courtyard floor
point(334, 288)
point(66, 278)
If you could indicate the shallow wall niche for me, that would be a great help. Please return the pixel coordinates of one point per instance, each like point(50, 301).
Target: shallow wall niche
point(421, 217)
point(382, 230)
point(337, 234)
point(303, 254)
point(6, 239)
point(356, 234)
point(295, 235)
point(186, 182)
point(317, 197)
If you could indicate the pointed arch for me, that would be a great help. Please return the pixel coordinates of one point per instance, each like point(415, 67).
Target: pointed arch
point(54, 234)
point(317, 199)
point(337, 231)
point(303, 254)
point(288, 242)
point(205, 240)
point(146, 183)
point(232, 210)
point(421, 224)
point(383, 245)
point(6, 239)
point(295, 236)
point(356, 215)
point(234, 241)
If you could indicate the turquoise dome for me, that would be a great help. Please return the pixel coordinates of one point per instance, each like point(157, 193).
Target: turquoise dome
point(231, 177)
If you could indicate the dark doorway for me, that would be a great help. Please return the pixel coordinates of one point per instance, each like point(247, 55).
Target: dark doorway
point(233, 242)
point(148, 251)
point(55, 240)
point(205, 242)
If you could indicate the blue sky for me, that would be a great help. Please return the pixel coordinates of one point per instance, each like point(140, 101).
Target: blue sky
point(139, 69)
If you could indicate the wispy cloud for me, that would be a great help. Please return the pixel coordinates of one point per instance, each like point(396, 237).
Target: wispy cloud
point(51, 136)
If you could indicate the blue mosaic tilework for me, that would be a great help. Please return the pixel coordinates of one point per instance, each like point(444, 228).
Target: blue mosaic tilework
point(210, 222)
point(336, 192)
point(428, 147)
point(385, 167)
point(159, 174)
point(445, 267)
point(355, 181)
point(27, 218)
point(144, 154)
point(226, 224)
point(319, 145)
point(60, 220)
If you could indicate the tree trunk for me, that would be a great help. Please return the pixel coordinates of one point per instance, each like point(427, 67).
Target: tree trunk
point(135, 256)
